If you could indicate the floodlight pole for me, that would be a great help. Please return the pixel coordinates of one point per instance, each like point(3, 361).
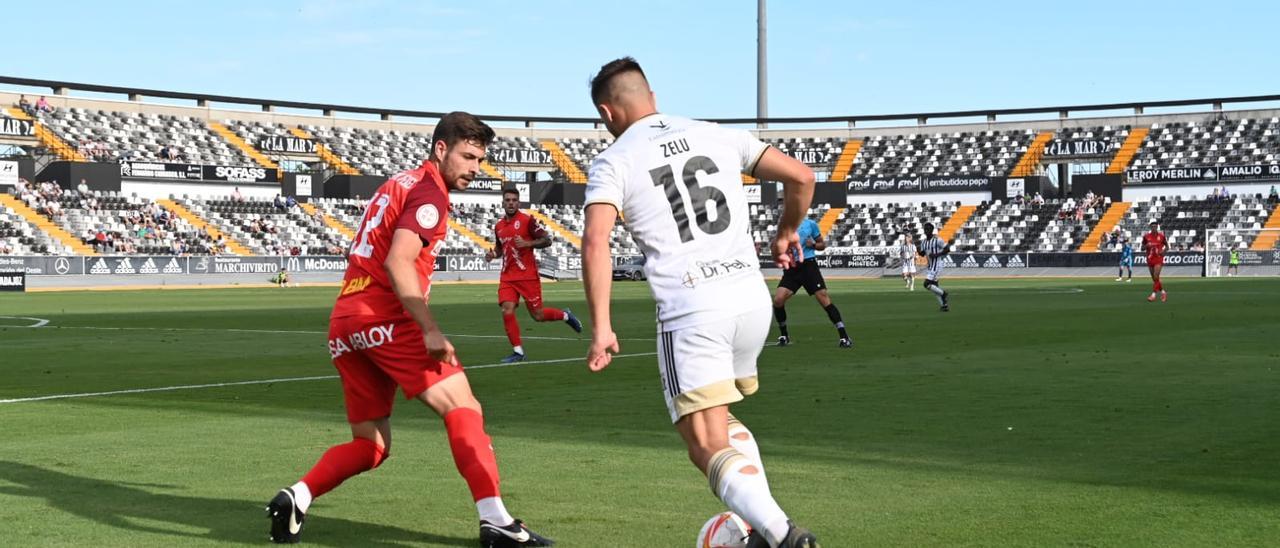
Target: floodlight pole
point(762, 65)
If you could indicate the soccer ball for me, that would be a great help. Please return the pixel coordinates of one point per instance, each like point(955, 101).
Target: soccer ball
point(724, 530)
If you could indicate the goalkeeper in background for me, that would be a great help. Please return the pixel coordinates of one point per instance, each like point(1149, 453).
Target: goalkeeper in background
point(1126, 259)
point(1233, 264)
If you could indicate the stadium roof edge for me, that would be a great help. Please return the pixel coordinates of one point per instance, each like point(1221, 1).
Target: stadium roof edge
point(60, 87)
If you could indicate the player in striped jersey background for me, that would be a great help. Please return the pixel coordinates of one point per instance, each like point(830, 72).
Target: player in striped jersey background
point(934, 248)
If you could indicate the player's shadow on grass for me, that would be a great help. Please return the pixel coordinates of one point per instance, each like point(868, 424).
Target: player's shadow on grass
point(128, 507)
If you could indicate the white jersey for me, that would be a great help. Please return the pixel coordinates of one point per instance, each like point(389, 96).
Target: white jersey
point(932, 248)
point(907, 252)
point(676, 183)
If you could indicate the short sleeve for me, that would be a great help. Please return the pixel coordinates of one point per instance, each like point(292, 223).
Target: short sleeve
point(604, 184)
point(749, 148)
point(536, 230)
point(425, 210)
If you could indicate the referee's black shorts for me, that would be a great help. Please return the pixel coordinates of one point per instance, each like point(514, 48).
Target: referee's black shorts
point(805, 275)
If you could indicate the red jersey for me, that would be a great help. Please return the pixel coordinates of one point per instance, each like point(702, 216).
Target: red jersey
point(415, 200)
point(518, 263)
point(1154, 243)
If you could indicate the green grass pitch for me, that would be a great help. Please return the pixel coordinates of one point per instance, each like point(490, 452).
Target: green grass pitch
point(1036, 413)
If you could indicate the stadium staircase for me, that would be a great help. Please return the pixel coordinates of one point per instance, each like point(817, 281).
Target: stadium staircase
point(845, 162)
point(953, 225)
point(338, 164)
point(48, 138)
point(1030, 160)
point(45, 224)
point(1128, 150)
point(329, 221)
point(1109, 220)
point(1267, 240)
point(469, 234)
point(235, 140)
point(200, 224)
point(491, 171)
point(556, 227)
point(829, 220)
point(563, 161)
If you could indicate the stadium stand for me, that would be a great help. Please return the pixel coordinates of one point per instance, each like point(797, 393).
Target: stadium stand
point(268, 227)
point(108, 136)
point(992, 153)
point(878, 226)
point(1218, 140)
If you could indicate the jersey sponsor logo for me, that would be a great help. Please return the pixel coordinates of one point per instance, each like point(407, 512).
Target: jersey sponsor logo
point(405, 179)
point(356, 285)
point(715, 270)
point(373, 337)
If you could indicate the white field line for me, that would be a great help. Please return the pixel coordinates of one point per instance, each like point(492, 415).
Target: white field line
point(283, 380)
point(40, 322)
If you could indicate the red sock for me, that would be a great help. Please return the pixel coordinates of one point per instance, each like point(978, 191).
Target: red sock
point(552, 315)
point(341, 462)
point(472, 451)
point(513, 328)
point(1159, 286)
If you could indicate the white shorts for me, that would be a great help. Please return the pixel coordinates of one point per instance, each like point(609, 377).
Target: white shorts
point(712, 364)
point(908, 267)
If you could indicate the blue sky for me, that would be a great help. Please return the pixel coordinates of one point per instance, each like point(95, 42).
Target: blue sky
point(535, 57)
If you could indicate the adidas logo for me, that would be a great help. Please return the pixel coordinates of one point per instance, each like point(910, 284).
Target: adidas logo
point(969, 262)
point(125, 266)
point(100, 267)
point(149, 267)
point(992, 262)
point(947, 262)
point(1016, 262)
point(173, 267)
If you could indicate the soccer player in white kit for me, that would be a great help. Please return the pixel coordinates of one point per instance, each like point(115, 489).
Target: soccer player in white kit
point(934, 249)
point(907, 252)
point(676, 183)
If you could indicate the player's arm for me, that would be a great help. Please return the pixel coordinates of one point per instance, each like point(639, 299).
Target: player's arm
point(797, 194)
point(819, 243)
point(597, 277)
point(401, 267)
point(540, 239)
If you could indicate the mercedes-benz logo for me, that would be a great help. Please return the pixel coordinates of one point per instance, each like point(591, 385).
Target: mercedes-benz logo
point(62, 265)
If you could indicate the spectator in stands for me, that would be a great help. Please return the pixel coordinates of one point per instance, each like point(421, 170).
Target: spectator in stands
point(1274, 195)
point(83, 187)
point(278, 202)
point(100, 241)
point(290, 202)
point(25, 105)
point(43, 105)
point(4, 247)
point(1224, 195)
point(236, 196)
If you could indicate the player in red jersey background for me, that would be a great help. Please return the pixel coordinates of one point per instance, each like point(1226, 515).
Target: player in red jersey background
point(516, 235)
point(1154, 243)
point(383, 335)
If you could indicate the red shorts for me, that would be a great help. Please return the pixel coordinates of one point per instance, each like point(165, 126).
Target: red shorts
point(373, 355)
point(1153, 260)
point(513, 291)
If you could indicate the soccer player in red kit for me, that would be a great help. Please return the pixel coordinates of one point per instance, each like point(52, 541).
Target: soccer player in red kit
point(516, 235)
point(1155, 244)
point(383, 335)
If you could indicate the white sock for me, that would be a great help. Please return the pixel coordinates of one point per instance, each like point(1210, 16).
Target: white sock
point(746, 446)
point(747, 494)
point(301, 496)
point(518, 349)
point(493, 511)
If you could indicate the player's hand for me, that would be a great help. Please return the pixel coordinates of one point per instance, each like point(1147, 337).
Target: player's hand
point(522, 243)
point(491, 254)
point(439, 348)
point(599, 356)
point(784, 247)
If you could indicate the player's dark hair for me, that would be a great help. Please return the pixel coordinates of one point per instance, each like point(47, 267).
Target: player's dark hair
point(461, 126)
point(928, 228)
point(507, 191)
point(600, 82)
